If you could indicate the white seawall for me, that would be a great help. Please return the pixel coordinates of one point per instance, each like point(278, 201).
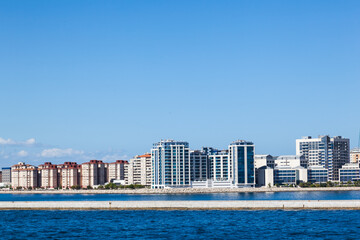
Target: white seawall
point(181, 205)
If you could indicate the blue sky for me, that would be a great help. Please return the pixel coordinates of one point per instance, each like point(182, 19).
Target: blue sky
point(106, 79)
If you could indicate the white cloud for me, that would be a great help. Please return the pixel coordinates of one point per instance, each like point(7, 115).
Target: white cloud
point(22, 153)
point(6, 141)
point(57, 152)
point(30, 141)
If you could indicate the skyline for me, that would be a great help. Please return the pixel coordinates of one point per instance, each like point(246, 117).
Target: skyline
point(106, 80)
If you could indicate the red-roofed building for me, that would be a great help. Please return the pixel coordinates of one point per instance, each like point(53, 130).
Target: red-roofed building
point(24, 176)
point(93, 173)
point(116, 170)
point(48, 174)
point(69, 174)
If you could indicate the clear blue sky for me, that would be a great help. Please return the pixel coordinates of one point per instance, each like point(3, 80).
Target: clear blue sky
point(106, 79)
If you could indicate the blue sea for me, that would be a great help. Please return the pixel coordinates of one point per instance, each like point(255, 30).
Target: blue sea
point(180, 224)
point(316, 195)
point(210, 224)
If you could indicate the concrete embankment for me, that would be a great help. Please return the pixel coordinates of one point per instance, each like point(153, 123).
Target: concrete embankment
point(179, 190)
point(182, 205)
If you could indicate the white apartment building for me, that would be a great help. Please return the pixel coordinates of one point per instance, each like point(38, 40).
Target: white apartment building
point(170, 164)
point(24, 175)
point(69, 174)
point(220, 166)
point(330, 152)
point(116, 170)
point(93, 173)
point(139, 170)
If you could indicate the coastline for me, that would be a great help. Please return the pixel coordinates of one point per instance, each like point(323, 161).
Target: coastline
point(184, 205)
point(179, 190)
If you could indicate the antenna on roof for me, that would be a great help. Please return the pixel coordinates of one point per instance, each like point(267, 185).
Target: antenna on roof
point(359, 140)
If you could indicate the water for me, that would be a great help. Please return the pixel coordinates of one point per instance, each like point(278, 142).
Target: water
point(180, 224)
point(319, 195)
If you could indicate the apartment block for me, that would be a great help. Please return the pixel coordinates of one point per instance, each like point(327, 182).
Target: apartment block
point(48, 174)
point(170, 164)
point(355, 155)
point(199, 160)
point(69, 174)
point(24, 175)
point(6, 175)
point(330, 152)
point(139, 170)
point(116, 170)
point(93, 173)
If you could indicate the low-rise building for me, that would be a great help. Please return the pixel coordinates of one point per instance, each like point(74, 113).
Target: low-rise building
point(349, 172)
point(355, 155)
point(290, 161)
point(317, 174)
point(6, 175)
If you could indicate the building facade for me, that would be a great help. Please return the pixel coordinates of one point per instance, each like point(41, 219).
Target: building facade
point(116, 171)
point(355, 155)
point(6, 175)
point(24, 176)
point(170, 164)
point(93, 173)
point(139, 170)
point(349, 172)
point(69, 175)
point(241, 156)
point(332, 153)
point(199, 160)
point(48, 174)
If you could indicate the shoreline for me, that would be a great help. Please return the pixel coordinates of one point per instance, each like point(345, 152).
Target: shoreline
point(180, 190)
point(185, 205)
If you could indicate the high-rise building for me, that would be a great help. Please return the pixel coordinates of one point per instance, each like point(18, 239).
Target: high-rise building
point(170, 164)
point(69, 175)
point(48, 174)
point(241, 158)
point(93, 173)
point(24, 176)
point(116, 170)
point(220, 166)
point(332, 153)
point(199, 160)
point(139, 170)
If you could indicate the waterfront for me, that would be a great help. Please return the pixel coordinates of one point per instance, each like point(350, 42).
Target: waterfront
point(180, 224)
point(249, 196)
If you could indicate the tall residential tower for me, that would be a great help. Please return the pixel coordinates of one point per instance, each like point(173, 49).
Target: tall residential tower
point(170, 164)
